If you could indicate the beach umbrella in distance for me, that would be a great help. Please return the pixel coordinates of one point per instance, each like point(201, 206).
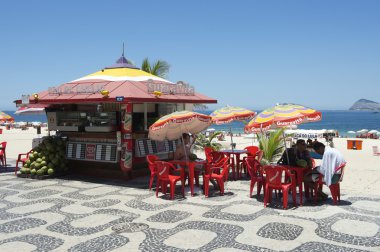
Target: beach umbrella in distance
point(229, 114)
point(362, 131)
point(281, 116)
point(351, 132)
point(5, 118)
point(373, 131)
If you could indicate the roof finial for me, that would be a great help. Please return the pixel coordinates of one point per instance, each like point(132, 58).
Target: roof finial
point(123, 50)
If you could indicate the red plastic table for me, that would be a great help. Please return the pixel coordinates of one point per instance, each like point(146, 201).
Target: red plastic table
point(191, 167)
point(300, 174)
point(234, 153)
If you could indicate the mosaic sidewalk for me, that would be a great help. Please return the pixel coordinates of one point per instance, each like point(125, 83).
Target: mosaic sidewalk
point(68, 214)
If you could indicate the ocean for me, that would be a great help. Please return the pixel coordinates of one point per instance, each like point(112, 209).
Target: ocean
point(27, 118)
point(341, 120)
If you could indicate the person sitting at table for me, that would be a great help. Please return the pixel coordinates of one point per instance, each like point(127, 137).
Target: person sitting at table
point(309, 143)
point(179, 153)
point(296, 153)
point(332, 159)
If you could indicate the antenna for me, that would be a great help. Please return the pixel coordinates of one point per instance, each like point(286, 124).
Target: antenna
point(123, 50)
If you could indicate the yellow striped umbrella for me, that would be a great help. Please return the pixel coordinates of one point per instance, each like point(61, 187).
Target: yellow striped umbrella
point(230, 113)
point(173, 125)
point(282, 115)
point(5, 118)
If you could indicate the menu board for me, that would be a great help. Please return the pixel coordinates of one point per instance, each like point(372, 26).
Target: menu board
point(101, 152)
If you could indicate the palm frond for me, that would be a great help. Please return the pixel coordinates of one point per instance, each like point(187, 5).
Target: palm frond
point(272, 145)
point(160, 68)
point(145, 66)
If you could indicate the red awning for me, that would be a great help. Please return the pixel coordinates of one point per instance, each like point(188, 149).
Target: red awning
point(132, 91)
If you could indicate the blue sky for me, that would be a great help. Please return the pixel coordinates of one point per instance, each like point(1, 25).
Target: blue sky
point(324, 54)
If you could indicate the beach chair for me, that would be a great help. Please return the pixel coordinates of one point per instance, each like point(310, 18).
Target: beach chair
point(375, 151)
point(255, 172)
point(152, 167)
point(22, 158)
point(219, 172)
point(334, 188)
point(3, 156)
point(164, 177)
point(273, 181)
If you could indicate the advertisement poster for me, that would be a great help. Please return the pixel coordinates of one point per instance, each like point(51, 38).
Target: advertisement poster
point(90, 151)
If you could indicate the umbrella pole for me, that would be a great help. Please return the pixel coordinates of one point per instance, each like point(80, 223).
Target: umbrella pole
point(232, 141)
point(286, 149)
point(184, 148)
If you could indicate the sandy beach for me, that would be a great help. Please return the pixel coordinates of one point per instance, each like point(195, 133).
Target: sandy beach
point(362, 173)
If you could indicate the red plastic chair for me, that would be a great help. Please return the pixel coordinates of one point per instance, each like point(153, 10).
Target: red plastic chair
point(252, 151)
point(152, 167)
point(259, 155)
point(334, 188)
point(23, 157)
point(219, 172)
point(273, 181)
point(255, 172)
point(164, 177)
point(208, 151)
point(3, 156)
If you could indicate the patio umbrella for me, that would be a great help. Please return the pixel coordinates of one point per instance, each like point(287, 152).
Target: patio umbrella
point(5, 118)
point(282, 115)
point(36, 109)
point(173, 125)
point(229, 114)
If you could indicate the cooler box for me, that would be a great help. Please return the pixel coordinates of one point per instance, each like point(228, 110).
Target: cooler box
point(354, 144)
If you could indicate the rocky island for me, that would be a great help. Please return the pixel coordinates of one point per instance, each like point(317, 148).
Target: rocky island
point(364, 104)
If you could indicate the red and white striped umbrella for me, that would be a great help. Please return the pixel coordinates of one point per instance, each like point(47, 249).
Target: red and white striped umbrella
point(32, 110)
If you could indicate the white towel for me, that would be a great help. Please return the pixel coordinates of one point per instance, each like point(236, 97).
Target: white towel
point(332, 159)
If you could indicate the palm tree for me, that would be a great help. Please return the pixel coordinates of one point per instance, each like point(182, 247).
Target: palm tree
point(272, 145)
point(159, 68)
point(203, 141)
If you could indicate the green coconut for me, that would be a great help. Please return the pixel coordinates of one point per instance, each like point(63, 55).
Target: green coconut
point(302, 163)
point(40, 172)
point(193, 157)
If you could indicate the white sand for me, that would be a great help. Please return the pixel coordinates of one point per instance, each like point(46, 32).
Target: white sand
point(362, 173)
point(19, 141)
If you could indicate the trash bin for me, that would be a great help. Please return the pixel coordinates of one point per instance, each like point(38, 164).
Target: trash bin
point(38, 130)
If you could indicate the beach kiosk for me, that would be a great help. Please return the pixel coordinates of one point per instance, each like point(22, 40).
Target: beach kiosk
point(105, 117)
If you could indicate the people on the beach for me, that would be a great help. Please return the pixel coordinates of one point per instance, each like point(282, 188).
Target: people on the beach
point(332, 161)
point(295, 154)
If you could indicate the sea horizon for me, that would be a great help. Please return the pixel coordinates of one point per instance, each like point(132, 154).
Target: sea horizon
point(340, 120)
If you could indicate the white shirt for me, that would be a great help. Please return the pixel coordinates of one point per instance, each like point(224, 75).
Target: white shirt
point(332, 159)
